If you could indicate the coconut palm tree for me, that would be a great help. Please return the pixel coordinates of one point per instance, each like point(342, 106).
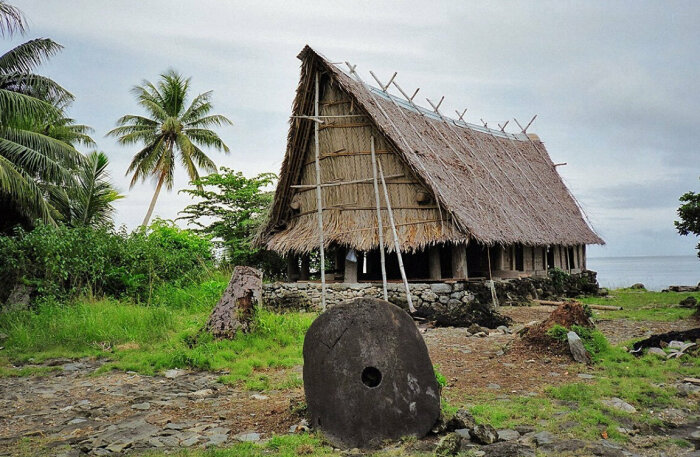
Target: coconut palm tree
point(29, 158)
point(89, 202)
point(171, 131)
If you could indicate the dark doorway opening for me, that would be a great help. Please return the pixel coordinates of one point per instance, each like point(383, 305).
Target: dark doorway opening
point(519, 257)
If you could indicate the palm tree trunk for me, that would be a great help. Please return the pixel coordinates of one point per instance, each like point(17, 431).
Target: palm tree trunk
point(153, 201)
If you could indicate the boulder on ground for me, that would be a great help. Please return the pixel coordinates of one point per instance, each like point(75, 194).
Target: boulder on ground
point(578, 352)
point(462, 419)
point(448, 445)
point(688, 302)
point(484, 434)
point(638, 285)
point(619, 404)
point(508, 449)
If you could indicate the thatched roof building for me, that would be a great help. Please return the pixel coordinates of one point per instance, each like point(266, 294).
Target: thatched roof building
point(450, 183)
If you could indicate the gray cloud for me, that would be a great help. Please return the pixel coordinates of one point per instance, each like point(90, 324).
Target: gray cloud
point(615, 84)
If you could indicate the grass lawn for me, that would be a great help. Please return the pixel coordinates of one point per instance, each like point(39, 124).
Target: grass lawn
point(639, 304)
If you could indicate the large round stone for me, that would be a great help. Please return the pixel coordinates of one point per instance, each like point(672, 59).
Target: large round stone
point(368, 375)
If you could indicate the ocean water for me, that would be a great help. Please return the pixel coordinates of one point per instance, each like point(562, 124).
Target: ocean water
point(656, 273)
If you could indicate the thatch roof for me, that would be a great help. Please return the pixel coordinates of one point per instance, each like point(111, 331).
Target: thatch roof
point(495, 187)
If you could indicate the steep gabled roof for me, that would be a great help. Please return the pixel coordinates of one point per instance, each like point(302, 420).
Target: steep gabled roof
point(498, 187)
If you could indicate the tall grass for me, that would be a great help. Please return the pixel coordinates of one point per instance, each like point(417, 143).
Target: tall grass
point(167, 334)
point(84, 328)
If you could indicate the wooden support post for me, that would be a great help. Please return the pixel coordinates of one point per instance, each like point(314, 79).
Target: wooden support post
point(292, 267)
point(459, 261)
point(380, 228)
point(397, 245)
point(434, 265)
point(305, 266)
point(351, 269)
point(319, 201)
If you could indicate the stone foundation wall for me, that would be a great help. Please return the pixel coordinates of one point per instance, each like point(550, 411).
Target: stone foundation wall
point(460, 303)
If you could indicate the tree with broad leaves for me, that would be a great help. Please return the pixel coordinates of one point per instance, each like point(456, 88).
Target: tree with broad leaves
point(231, 207)
point(689, 214)
point(171, 131)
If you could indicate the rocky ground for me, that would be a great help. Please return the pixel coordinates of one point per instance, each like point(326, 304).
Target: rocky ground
point(73, 412)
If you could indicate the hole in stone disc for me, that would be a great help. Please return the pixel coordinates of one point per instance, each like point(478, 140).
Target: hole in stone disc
point(371, 377)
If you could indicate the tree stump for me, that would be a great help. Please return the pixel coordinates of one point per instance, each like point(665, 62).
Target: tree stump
point(368, 375)
point(236, 308)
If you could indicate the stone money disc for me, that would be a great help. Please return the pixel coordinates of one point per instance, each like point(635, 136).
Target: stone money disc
point(368, 375)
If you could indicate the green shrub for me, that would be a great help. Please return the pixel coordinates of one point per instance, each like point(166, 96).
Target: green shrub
point(63, 262)
point(593, 340)
point(441, 379)
point(558, 332)
point(558, 277)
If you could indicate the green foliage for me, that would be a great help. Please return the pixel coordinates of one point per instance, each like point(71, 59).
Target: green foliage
point(558, 332)
point(441, 379)
point(169, 127)
point(593, 340)
point(230, 208)
point(558, 277)
point(65, 262)
point(689, 215)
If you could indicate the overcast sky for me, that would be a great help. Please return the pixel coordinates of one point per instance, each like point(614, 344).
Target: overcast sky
point(615, 85)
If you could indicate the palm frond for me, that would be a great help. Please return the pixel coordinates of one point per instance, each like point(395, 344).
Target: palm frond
point(174, 88)
point(144, 163)
point(24, 192)
point(11, 20)
point(200, 106)
point(206, 137)
point(27, 56)
point(95, 195)
point(15, 106)
point(37, 86)
point(197, 156)
point(207, 121)
point(186, 151)
point(34, 163)
point(52, 148)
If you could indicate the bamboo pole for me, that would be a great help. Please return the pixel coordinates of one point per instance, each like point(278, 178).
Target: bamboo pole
point(319, 202)
point(380, 231)
point(396, 240)
point(342, 183)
